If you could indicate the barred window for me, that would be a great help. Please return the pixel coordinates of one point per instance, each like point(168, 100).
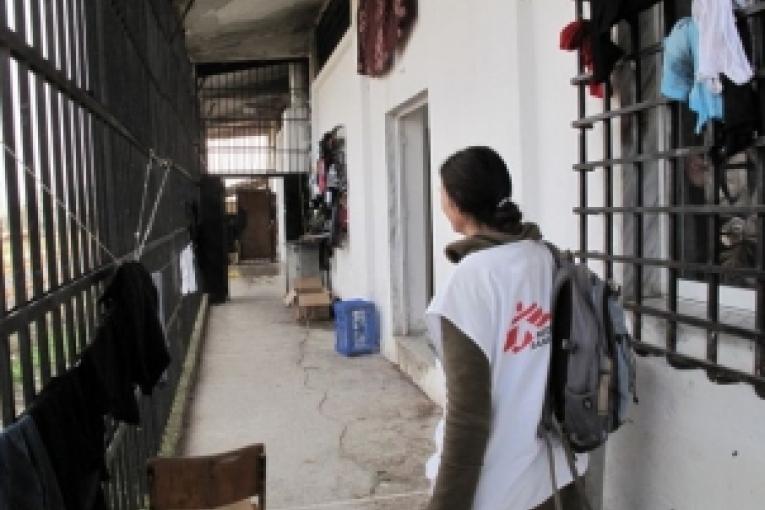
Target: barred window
point(333, 24)
point(664, 210)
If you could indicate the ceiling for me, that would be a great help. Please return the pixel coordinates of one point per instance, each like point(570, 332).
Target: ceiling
point(228, 30)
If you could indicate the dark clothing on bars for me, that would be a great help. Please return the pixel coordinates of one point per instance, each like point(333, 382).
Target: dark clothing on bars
point(130, 348)
point(71, 426)
point(741, 109)
point(606, 14)
point(27, 479)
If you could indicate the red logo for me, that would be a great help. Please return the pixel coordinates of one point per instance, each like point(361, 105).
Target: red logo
point(529, 321)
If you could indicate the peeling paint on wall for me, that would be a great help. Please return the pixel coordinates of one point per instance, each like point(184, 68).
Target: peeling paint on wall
point(225, 30)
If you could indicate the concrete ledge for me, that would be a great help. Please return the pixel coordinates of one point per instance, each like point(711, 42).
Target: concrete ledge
point(171, 440)
point(418, 361)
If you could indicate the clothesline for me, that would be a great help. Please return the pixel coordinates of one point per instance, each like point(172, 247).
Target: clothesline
point(150, 224)
point(57, 200)
point(141, 240)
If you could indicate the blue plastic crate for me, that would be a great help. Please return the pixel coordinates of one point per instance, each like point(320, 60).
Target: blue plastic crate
point(357, 327)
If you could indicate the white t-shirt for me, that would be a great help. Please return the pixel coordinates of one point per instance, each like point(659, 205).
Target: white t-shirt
point(500, 298)
point(720, 46)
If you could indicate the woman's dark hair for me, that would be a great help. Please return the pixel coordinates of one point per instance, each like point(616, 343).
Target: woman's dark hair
point(478, 182)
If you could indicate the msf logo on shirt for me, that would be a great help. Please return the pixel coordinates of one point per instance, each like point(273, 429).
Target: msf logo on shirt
point(530, 328)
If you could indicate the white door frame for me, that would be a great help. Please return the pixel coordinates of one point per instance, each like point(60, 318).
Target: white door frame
point(396, 211)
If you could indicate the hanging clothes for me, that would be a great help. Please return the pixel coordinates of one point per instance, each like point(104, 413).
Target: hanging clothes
point(720, 47)
point(679, 71)
point(606, 14)
point(27, 479)
point(576, 36)
point(740, 122)
point(382, 26)
point(321, 177)
point(129, 349)
point(68, 415)
point(188, 271)
point(741, 119)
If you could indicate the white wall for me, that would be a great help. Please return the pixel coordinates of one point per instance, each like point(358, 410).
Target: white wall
point(277, 186)
point(494, 76)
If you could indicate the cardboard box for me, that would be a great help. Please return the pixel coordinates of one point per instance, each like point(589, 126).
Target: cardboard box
point(309, 284)
point(313, 306)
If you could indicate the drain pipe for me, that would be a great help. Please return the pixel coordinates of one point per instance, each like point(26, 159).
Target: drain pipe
point(296, 123)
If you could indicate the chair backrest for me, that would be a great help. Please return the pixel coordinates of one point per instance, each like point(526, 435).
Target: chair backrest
point(194, 483)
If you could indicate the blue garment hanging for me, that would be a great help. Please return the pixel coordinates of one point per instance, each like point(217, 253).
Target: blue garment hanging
point(678, 82)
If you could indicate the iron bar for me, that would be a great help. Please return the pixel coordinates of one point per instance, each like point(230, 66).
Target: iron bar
point(661, 262)
point(678, 153)
point(17, 47)
point(638, 107)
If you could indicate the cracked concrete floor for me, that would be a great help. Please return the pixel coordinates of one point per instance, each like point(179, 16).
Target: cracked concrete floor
point(335, 429)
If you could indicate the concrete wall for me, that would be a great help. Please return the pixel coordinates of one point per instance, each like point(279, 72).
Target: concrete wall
point(494, 75)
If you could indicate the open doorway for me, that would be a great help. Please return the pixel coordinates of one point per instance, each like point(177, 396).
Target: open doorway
point(258, 237)
point(412, 216)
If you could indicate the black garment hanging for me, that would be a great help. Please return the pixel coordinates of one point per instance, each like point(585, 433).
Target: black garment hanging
point(130, 348)
point(70, 422)
point(606, 14)
point(741, 109)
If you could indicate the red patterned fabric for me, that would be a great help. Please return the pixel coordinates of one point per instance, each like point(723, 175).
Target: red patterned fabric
point(382, 26)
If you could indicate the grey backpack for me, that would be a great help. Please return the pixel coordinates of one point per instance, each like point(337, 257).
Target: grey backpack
point(592, 371)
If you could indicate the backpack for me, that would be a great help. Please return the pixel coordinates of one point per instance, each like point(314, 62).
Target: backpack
point(591, 381)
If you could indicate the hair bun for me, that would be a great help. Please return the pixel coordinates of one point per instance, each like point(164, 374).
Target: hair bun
point(504, 203)
point(508, 216)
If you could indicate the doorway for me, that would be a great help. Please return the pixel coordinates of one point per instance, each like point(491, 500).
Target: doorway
point(412, 215)
point(258, 239)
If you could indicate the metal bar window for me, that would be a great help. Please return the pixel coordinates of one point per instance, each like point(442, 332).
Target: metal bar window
point(684, 232)
point(76, 132)
point(255, 118)
point(333, 23)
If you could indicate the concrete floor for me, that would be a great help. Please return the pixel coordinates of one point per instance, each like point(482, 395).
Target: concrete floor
point(339, 433)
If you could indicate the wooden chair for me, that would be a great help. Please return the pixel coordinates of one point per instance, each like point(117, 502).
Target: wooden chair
point(212, 481)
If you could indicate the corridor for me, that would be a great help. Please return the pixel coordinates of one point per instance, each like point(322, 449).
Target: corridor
point(335, 429)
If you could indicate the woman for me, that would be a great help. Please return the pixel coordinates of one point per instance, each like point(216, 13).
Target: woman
point(490, 325)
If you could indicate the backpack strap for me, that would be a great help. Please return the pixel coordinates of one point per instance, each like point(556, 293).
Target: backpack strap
point(571, 460)
point(556, 254)
point(551, 459)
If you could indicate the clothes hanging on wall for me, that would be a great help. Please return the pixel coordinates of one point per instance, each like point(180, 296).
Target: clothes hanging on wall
point(383, 25)
point(130, 348)
point(679, 70)
point(721, 51)
point(28, 481)
point(71, 426)
point(604, 15)
point(321, 176)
